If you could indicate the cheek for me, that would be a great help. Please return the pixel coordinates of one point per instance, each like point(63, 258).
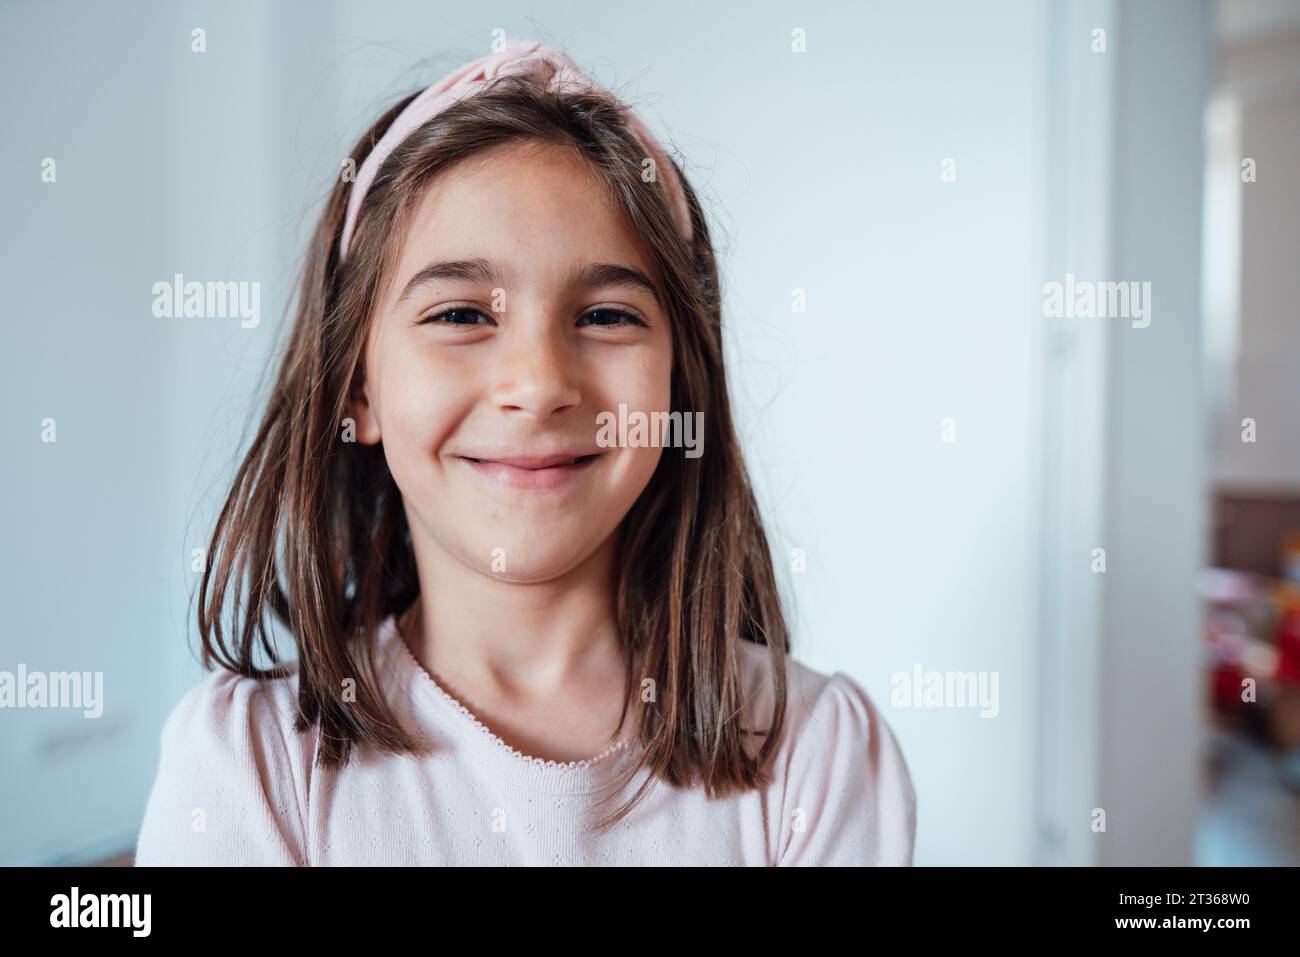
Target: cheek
point(642, 383)
point(420, 404)
point(641, 380)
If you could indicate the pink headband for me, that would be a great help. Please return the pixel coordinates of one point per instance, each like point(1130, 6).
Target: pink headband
point(549, 69)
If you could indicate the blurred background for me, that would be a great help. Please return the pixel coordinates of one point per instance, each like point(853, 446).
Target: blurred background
point(1104, 517)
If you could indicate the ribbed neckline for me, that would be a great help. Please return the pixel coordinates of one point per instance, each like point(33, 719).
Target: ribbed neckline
point(538, 774)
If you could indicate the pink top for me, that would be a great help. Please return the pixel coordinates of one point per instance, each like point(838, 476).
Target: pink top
point(237, 785)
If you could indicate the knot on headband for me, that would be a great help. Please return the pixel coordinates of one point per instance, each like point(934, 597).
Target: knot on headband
point(548, 69)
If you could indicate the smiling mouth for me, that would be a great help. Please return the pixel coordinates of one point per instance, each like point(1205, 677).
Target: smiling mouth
point(546, 473)
point(533, 463)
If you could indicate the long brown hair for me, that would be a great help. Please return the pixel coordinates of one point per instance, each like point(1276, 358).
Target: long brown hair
point(313, 534)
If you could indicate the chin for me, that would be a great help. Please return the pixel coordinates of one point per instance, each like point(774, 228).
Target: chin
point(545, 553)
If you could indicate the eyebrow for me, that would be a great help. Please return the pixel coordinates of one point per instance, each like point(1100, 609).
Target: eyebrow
point(592, 276)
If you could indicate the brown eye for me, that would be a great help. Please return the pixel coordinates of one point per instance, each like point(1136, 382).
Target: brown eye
point(457, 316)
point(605, 318)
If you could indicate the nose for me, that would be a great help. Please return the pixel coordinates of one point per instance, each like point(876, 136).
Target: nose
point(535, 375)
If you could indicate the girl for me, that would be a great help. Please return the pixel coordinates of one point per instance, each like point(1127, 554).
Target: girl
point(517, 641)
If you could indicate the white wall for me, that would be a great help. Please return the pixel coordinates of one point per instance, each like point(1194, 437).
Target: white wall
point(1124, 467)
point(1152, 692)
point(166, 162)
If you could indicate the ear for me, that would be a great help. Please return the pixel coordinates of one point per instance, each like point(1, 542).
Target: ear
point(362, 410)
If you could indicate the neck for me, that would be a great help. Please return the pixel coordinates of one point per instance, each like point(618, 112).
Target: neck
point(525, 638)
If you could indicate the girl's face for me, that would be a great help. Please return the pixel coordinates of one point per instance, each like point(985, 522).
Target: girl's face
point(521, 308)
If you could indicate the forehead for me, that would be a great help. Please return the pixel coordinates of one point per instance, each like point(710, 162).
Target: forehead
point(536, 208)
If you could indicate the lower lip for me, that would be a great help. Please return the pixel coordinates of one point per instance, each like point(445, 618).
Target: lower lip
point(534, 480)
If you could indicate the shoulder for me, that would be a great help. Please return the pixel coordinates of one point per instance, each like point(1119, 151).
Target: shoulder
point(227, 707)
point(232, 773)
point(841, 792)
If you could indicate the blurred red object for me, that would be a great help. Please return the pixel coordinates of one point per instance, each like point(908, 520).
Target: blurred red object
point(1229, 651)
point(1288, 647)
